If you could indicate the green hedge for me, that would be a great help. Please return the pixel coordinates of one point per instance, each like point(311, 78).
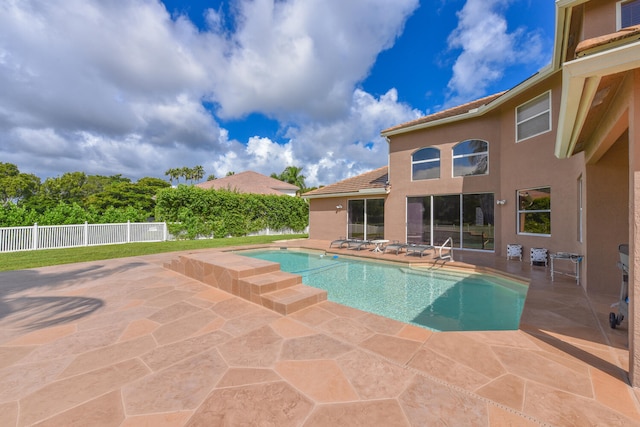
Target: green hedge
point(192, 211)
point(67, 213)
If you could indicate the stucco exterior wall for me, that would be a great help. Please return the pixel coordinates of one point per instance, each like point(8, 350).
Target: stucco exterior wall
point(607, 216)
point(513, 166)
point(599, 18)
point(326, 222)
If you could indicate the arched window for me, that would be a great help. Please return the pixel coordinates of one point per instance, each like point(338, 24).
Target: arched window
point(471, 157)
point(425, 164)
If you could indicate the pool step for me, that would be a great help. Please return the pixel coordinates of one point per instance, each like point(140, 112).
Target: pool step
point(255, 280)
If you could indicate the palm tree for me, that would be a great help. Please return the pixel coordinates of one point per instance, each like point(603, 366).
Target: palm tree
point(293, 175)
point(198, 172)
point(172, 173)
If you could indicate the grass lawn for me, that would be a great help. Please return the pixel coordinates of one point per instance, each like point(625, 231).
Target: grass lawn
point(43, 258)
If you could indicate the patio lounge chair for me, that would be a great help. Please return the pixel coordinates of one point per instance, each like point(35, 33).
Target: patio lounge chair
point(418, 249)
point(358, 244)
point(395, 246)
point(341, 242)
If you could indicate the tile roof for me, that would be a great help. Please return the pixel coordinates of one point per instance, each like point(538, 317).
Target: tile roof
point(250, 182)
point(451, 112)
point(625, 35)
point(375, 179)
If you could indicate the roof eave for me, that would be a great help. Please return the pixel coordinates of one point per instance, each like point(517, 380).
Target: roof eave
point(362, 192)
point(580, 81)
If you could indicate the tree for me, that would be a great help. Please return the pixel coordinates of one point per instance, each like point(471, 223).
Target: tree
point(230, 173)
point(172, 173)
point(292, 175)
point(211, 177)
point(198, 172)
point(16, 186)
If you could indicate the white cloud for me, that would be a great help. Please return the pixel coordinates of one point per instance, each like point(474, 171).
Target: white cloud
point(487, 49)
point(329, 151)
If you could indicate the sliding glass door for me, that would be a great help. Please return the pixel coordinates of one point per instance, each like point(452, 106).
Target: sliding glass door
point(366, 219)
point(465, 218)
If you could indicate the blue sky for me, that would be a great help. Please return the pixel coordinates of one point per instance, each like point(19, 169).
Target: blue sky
point(135, 87)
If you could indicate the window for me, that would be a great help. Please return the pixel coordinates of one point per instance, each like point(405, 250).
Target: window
point(534, 211)
point(467, 218)
point(534, 117)
point(425, 164)
point(628, 13)
point(366, 219)
point(471, 157)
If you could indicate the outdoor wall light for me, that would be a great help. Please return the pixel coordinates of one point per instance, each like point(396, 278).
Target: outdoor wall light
point(501, 202)
point(339, 207)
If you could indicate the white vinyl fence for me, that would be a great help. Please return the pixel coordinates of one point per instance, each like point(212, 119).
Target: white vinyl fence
point(13, 239)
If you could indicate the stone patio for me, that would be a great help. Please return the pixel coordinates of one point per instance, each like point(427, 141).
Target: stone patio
point(128, 342)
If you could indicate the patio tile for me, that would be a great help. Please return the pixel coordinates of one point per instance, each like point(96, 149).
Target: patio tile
point(502, 417)
point(274, 404)
point(446, 369)
point(178, 387)
point(537, 368)
point(109, 355)
point(18, 381)
point(169, 419)
point(138, 328)
point(380, 324)
point(373, 377)
point(543, 402)
point(258, 348)
point(397, 349)
point(244, 376)
point(414, 333)
point(468, 351)
point(44, 336)
point(322, 380)
point(313, 316)
point(173, 312)
point(286, 327)
point(507, 390)
point(429, 403)
point(166, 355)
point(234, 307)
point(255, 319)
point(9, 414)
point(65, 394)
point(347, 330)
point(11, 355)
point(183, 327)
point(105, 411)
point(312, 347)
point(359, 414)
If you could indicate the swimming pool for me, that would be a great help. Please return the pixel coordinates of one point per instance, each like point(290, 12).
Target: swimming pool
point(440, 300)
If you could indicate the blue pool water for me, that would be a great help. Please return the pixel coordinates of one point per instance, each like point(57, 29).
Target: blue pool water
point(439, 300)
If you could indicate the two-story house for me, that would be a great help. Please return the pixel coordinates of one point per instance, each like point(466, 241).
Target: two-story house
point(552, 163)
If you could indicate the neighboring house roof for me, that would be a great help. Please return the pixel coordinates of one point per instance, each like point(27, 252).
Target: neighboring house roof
point(372, 182)
point(250, 182)
point(451, 112)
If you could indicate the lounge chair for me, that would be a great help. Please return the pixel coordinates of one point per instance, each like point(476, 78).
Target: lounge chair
point(341, 242)
point(358, 244)
point(395, 246)
point(418, 249)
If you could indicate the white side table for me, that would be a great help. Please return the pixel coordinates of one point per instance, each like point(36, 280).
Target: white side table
point(378, 244)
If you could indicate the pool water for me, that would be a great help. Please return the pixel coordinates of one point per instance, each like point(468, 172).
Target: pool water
point(439, 300)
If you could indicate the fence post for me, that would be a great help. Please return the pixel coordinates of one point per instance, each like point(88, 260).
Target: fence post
point(128, 231)
point(35, 236)
point(86, 233)
point(164, 231)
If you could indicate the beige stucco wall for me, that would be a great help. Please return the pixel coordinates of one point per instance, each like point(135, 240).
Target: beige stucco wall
point(326, 222)
point(607, 223)
point(512, 166)
point(599, 18)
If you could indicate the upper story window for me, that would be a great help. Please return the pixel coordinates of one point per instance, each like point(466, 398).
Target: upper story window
point(628, 13)
point(425, 164)
point(471, 157)
point(533, 117)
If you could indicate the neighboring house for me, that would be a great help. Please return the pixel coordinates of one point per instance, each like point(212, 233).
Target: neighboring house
point(253, 183)
point(552, 163)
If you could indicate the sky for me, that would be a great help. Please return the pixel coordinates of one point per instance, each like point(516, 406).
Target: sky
point(136, 87)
